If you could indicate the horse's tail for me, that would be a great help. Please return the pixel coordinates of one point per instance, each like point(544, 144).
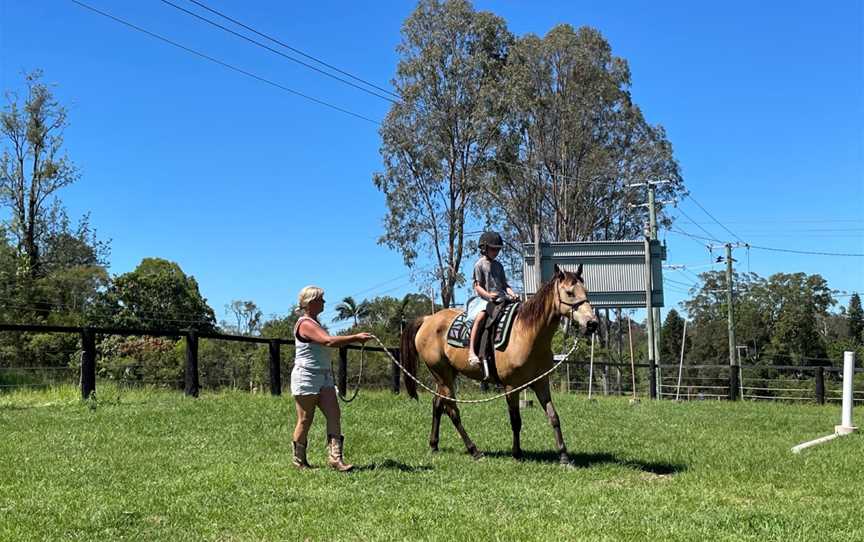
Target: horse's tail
point(408, 355)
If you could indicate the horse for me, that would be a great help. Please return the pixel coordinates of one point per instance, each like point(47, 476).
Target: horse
point(527, 355)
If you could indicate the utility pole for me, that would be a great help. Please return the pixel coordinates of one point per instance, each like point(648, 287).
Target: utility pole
point(653, 312)
point(652, 359)
point(652, 218)
point(733, 363)
point(734, 366)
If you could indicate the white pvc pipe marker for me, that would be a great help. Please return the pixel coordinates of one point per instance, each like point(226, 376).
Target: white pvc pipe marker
point(845, 426)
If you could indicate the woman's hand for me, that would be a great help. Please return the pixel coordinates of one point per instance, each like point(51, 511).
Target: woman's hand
point(362, 337)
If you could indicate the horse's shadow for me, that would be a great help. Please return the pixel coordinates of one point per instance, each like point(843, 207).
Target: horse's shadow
point(589, 460)
point(390, 464)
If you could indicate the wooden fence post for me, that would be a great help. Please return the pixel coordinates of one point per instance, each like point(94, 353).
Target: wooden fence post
point(733, 382)
point(342, 374)
point(652, 379)
point(275, 368)
point(820, 385)
point(192, 384)
point(88, 363)
point(395, 371)
point(605, 379)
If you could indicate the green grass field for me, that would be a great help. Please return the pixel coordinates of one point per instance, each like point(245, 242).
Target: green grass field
point(150, 465)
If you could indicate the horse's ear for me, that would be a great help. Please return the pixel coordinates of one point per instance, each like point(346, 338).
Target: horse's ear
point(558, 273)
point(579, 273)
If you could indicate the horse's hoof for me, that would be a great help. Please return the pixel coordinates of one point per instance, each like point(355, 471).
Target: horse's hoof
point(565, 461)
point(477, 454)
point(517, 455)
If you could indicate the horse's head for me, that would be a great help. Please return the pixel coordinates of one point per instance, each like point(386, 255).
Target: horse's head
point(571, 299)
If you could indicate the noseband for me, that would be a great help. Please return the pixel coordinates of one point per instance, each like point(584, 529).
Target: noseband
point(573, 306)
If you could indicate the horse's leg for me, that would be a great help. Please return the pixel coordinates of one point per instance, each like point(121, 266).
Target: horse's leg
point(515, 421)
point(437, 410)
point(452, 410)
point(544, 397)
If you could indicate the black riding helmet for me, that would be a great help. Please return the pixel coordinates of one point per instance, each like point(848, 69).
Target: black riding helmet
point(490, 239)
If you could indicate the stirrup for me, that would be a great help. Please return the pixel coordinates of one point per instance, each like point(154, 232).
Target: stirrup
point(485, 364)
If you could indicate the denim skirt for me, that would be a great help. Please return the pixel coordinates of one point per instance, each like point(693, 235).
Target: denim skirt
point(309, 381)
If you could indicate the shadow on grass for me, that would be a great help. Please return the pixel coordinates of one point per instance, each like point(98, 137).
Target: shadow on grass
point(589, 460)
point(389, 464)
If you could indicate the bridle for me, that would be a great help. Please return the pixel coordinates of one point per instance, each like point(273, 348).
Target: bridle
point(573, 306)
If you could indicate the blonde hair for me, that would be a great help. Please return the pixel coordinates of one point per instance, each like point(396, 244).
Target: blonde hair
point(308, 295)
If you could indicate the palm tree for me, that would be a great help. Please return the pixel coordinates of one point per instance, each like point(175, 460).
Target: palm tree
point(349, 308)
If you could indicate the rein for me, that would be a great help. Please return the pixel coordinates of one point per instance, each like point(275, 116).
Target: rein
point(359, 376)
point(566, 357)
point(487, 399)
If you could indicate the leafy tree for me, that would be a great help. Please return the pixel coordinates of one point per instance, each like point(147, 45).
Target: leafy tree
point(33, 167)
point(281, 328)
point(856, 319)
point(671, 335)
point(573, 141)
point(349, 309)
point(8, 278)
point(159, 295)
point(791, 304)
point(56, 269)
point(438, 140)
point(708, 312)
point(385, 315)
point(247, 317)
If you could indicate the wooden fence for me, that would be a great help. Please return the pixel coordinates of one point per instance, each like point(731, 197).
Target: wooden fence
point(191, 377)
point(753, 382)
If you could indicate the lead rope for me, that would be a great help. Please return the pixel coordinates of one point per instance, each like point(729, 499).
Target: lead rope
point(486, 400)
point(359, 376)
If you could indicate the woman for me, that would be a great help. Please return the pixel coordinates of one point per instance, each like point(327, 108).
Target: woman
point(311, 379)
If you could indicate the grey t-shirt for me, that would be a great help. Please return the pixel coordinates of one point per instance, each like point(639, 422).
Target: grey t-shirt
point(489, 274)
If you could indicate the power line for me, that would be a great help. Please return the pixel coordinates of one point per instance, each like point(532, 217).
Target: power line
point(692, 276)
point(708, 233)
point(323, 63)
point(673, 281)
point(362, 117)
point(257, 77)
point(282, 87)
point(298, 51)
point(812, 253)
point(280, 53)
point(693, 236)
point(792, 221)
point(224, 64)
point(689, 195)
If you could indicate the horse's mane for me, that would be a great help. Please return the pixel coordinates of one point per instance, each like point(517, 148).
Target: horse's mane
point(533, 311)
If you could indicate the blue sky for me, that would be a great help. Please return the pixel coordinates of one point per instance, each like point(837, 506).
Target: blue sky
point(257, 192)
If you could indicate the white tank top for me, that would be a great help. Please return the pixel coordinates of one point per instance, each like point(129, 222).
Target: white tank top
point(309, 355)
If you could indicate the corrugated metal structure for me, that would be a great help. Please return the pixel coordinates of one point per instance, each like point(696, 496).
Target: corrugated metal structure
point(614, 271)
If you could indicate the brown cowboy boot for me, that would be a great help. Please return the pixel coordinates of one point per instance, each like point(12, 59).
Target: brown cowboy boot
point(299, 459)
point(334, 453)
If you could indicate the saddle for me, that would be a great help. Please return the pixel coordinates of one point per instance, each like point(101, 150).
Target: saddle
point(495, 334)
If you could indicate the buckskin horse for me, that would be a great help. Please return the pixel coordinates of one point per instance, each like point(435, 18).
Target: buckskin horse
point(527, 355)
